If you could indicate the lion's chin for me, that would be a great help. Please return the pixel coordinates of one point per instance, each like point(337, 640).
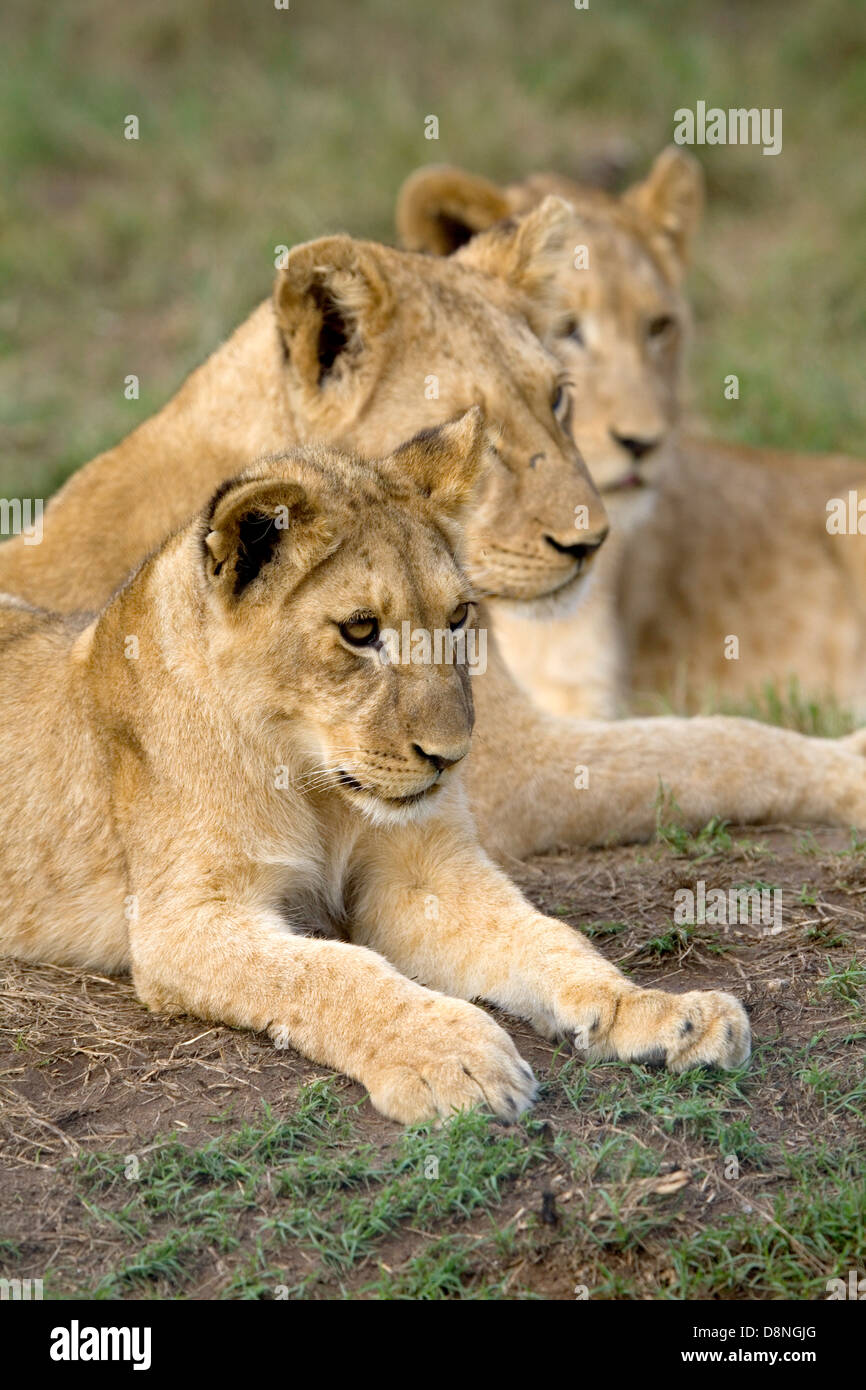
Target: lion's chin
point(381, 809)
point(556, 602)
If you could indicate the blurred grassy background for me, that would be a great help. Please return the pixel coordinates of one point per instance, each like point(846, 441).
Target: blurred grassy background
point(261, 126)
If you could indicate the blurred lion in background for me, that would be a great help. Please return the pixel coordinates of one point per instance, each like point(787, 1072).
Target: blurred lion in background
point(724, 573)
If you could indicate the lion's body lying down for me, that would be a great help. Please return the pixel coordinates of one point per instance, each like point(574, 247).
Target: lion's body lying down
point(223, 763)
point(726, 541)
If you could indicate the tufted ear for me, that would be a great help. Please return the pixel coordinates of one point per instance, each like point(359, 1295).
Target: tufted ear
point(332, 299)
point(671, 198)
point(440, 208)
point(529, 253)
point(444, 462)
point(252, 524)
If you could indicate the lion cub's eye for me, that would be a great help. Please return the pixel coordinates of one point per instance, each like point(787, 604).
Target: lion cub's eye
point(661, 326)
point(360, 632)
point(459, 616)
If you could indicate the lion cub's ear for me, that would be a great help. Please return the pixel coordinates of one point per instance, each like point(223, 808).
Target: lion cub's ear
point(671, 198)
point(529, 253)
point(332, 299)
point(444, 462)
point(440, 208)
point(252, 524)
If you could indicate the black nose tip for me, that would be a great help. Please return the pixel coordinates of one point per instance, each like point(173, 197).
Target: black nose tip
point(636, 447)
point(438, 760)
point(581, 550)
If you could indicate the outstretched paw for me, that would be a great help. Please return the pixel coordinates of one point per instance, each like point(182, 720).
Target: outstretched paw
point(700, 1028)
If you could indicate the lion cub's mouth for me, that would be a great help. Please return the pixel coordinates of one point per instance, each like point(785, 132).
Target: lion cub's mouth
point(354, 785)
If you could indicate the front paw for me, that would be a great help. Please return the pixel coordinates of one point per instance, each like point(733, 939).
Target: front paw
point(700, 1028)
point(451, 1056)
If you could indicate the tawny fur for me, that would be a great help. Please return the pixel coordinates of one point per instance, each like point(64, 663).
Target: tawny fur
point(348, 351)
point(720, 540)
point(216, 773)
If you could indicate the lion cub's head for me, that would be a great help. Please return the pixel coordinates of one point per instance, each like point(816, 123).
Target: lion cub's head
point(622, 338)
point(313, 563)
point(379, 343)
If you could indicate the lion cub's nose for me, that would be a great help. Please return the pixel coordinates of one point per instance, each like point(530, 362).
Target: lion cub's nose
point(442, 760)
point(579, 550)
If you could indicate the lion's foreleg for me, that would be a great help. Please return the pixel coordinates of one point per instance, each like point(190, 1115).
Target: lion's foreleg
point(443, 913)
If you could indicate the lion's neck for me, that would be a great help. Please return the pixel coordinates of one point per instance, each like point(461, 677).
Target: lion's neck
point(234, 407)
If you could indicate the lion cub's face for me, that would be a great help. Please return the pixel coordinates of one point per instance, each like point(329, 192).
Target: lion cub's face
point(381, 343)
point(314, 563)
point(621, 337)
point(621, 345)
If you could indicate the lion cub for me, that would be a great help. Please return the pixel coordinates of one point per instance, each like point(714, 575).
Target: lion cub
point(227, 759)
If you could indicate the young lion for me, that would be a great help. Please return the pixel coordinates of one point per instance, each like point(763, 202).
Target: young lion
point(708, 540)
point(226, 762)
point(361, 345)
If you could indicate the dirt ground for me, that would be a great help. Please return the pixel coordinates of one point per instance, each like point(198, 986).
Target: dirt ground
point(85, 1071)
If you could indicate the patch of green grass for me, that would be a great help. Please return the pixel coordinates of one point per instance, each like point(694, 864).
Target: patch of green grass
point(328, 1193)
point(789, 708)
point(780, 1245)
point(604, 929)
point(845, 983)
point(435, 1175)
point(674, 942)
point(807, 844)
point(826, 937)
point(703, 1104)
point(856, 847)
point(447, 1268)
point(836, 1092)
point(710, 840)
point(812, 1231)
point(713, 838)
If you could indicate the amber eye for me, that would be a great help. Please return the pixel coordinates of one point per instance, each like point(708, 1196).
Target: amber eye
point(660, 326)
point(360, 632)
point(459, 616)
